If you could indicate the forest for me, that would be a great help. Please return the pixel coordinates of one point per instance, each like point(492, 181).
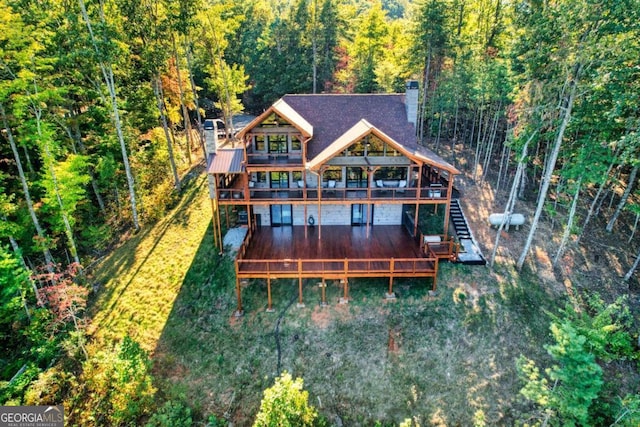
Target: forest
point(102, 105)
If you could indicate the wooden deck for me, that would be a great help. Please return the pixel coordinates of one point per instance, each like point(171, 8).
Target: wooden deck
point(344, 252)
point(338, 241)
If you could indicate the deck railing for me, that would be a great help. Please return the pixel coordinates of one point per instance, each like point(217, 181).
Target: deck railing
point(305, 268)
point(440, 246)
point(233, 195)
point(274, 159)
point(242, 250)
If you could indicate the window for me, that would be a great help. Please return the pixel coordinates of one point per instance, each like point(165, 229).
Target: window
point(356, 149)
point(333, 173)
point(390, 173)
point(390, 151)
point(356, 178)
point(296, 145)
point(273, 120)
point(261, 177)
point(279, 180)
point(375, 147)
point(296, 176)
point(259, 143)
point(278, 144)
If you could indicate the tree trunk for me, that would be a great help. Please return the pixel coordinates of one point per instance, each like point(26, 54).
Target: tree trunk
point(25, 187)
point(455, 128)
point(492, 138)
point(107, 74)
point(476, 159)
point(567, 230)
point(157, 90)
point(594, 203)
point(185, 112)
point(633, 268)
point(500, 169)
point(635, 227)
point(18, 253)
point(228, 114)
point(522, 186)
point(512, 198)
point(49, 160)
point(623, 200)
point(551, 164)
point(195, 99)
point(439, 131)
point(423, 104)
point(77, 137)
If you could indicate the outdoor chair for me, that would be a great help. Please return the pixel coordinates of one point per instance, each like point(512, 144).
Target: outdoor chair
point(331, 186)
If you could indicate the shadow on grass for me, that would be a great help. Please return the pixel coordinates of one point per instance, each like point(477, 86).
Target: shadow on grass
point(134, 255)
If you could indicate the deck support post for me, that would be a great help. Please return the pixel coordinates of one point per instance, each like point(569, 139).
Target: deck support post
point(215, 219)
point(447, 206)
point(418, 196)
point(415, 219)
point(323, 288)
point(306, 217)
point(300, 303)
point(433, 290)
point(346, 281)
point(239, 312)
point(390, 295)
point(344, 299)
point(269, 307)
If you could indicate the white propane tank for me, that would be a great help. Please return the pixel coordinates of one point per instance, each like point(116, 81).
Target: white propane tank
point(515, 219)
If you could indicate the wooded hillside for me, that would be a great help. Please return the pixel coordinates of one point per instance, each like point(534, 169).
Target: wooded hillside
point(102, 105)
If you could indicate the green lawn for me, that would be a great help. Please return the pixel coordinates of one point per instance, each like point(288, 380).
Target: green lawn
point(445, 360)
point(140, 280)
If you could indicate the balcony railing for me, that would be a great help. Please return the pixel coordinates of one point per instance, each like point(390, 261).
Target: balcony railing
point(274, 159)
point(232, 195)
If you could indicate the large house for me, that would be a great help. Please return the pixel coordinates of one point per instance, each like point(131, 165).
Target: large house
point(330, 187)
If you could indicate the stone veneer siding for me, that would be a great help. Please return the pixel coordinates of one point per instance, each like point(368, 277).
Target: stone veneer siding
point(335, 214)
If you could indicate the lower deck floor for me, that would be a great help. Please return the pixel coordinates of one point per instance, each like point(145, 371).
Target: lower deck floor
point(332, 242)
point(336, 252)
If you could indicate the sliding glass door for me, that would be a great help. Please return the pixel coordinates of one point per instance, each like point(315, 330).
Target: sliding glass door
point(360, 214)
point(357, 178)
point(279, 179)
point(281, 215)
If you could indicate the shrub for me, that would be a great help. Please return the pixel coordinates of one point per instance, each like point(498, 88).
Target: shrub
point(117, 389)
point(286, 404)
point(574, 390)
point(171, 414)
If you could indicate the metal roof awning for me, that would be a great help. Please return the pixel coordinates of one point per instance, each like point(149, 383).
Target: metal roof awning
point(226, 161)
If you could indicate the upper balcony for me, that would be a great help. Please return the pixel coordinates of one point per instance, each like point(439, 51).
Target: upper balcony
point(265, 160)
point(329, 191)
point(275, 146)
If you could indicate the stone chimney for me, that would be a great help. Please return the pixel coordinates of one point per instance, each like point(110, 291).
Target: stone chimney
point(211, 139)
point(411, 100)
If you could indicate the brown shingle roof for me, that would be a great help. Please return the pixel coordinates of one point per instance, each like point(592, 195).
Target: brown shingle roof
point(332, 115)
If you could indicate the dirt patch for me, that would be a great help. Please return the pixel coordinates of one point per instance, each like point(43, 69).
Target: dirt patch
point(321, 317)
point(600, 258)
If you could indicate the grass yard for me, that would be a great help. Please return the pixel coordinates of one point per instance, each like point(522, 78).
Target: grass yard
point(445, 360)
point(140, 280)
